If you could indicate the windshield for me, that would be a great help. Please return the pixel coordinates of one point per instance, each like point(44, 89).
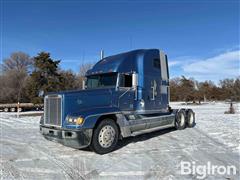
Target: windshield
point(101, 80)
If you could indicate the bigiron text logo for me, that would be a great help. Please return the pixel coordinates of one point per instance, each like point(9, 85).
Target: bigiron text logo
point(201, 171)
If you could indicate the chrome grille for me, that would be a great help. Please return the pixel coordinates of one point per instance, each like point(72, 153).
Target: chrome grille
point(53, 110)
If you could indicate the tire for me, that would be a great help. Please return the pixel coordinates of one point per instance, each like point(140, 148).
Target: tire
point(190, 118)
point(180, 120)
point(12, 109)
point(105, 137)
point(5, 109)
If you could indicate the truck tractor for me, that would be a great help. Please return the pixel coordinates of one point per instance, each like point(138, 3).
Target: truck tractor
point(124, 95)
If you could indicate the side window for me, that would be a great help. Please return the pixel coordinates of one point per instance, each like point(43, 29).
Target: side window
point(156, 63)
point(164, 67)
point(125, 80)
point(167, 66)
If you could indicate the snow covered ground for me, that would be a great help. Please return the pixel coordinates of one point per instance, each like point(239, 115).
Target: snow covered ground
point(25, 154)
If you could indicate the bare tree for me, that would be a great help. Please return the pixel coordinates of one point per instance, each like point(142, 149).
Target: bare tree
point(187, 89)
point(12, 86)
point(1, 69)
point(174, 87)
point(14, 74)
point(82, 72)
point(84, 68)
point(237, 89)
point(227, 87)
point(18, 61)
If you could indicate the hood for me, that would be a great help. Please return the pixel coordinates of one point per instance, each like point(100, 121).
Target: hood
point(76, 102)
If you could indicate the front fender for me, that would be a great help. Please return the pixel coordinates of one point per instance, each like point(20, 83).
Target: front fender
point(122, 122)
point(92, 115)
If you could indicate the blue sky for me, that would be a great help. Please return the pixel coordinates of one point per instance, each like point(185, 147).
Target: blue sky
point(201, 38)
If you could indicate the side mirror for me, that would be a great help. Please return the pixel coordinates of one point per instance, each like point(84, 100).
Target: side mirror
point(135, 81)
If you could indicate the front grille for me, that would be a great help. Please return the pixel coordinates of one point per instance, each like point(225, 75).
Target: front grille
point(53, 110)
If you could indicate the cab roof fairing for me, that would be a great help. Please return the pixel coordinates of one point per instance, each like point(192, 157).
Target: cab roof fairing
point(131, 61)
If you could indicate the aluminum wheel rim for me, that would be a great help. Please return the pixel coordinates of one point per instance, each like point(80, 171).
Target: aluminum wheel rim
point(182, 119)
point(106, 136)
point(191, 118)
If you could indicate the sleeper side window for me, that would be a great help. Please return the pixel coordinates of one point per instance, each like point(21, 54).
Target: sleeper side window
point(156, 63)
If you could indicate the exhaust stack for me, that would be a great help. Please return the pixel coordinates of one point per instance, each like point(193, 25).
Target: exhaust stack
point(102, 54)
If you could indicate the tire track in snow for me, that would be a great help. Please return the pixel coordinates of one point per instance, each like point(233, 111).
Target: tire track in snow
point(10, 170)
point(68, 170)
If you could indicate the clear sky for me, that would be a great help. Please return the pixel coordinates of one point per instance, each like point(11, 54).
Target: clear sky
point(201, 38)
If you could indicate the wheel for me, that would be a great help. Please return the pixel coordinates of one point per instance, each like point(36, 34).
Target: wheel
point(5, 109)
point(180, 121)
point(12, 109)
point(105, 137)
point(190, 118)
point(20, 109)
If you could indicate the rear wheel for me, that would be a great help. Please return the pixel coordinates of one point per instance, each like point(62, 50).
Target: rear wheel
point(190, 118)
point(105, 137)
point(180, 120)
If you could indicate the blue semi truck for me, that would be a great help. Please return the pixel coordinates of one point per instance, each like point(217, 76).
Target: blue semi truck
point(124, 95)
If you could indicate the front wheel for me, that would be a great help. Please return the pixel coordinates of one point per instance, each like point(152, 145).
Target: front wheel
point(105, 137)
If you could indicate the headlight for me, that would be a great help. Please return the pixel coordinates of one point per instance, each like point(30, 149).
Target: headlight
point(75, 120)
point(70, 120)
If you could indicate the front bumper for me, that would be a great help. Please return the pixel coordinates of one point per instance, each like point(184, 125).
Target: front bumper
point(73, 138)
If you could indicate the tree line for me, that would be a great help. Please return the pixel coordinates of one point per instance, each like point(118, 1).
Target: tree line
point(26, 79)
point(184, 89)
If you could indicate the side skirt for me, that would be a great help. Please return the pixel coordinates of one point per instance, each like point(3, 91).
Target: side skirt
point(146, 125)
point(136, 133)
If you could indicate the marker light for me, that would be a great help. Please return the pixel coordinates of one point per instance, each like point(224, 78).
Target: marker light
point(79, 121)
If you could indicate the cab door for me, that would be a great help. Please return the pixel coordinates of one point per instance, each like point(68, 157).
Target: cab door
point(126, 94)
point(125, 99)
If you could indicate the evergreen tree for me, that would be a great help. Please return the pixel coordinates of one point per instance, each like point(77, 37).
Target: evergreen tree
point(45, 77)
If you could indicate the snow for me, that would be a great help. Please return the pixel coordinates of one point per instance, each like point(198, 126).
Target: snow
point(25, 154)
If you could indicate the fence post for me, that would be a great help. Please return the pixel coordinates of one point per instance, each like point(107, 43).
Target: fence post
point(18, 106)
